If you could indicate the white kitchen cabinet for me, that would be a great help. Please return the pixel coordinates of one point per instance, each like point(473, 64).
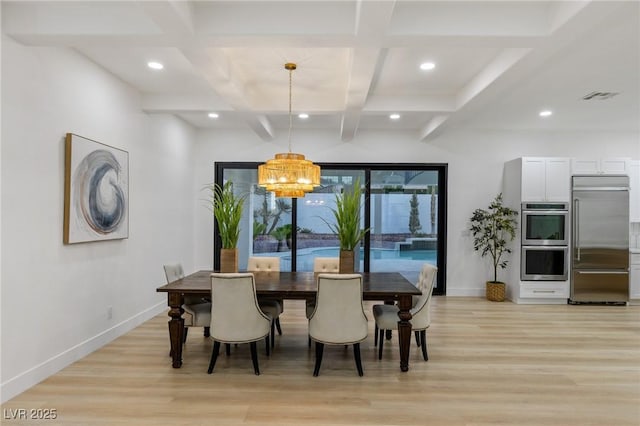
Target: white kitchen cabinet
point(600, 166)
point(634, 193)
point(634, 277)
point(546, 179)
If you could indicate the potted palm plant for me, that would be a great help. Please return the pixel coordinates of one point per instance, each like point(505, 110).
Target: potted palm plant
point(227, 210)
point(347, 225)
point(492, 230)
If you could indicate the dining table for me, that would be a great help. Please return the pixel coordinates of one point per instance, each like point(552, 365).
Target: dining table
point(384, 286)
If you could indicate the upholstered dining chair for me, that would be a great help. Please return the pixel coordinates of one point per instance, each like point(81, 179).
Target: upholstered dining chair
point(236, 316)
point(273, 307)
point(323, 265)
point(338, 317)
point(197, 311)
point(386, 316)
point(326, 265)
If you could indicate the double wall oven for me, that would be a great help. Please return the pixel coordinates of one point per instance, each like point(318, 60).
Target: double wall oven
point(545, 241)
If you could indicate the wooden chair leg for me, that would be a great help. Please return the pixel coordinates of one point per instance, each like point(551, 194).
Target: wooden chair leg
point(319, 350)
point(254, 358)
point(227, 348)
point(278, 326)
point(375, 336)
point(184, 334)
point(356, 353)
point(214, 356)
point(423, 342)
point(273, 334)
point(417, 333)
point(267, 345)
point(207, 331)
point(309, 340)
point(381, 339)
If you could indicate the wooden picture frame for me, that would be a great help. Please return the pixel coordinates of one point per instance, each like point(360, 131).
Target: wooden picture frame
point(96, 191)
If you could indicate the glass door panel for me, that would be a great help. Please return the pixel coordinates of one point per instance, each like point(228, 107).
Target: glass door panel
point(314, 212)
point(271, 227)
point(265, 228)
point(404, 220)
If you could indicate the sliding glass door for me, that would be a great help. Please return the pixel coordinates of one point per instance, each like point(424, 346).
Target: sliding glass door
point(403, 206)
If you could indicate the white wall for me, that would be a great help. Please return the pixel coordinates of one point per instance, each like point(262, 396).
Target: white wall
point(55, 297)
point(475, 159)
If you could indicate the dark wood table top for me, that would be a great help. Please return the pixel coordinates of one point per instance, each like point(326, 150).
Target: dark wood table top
point(299, 285)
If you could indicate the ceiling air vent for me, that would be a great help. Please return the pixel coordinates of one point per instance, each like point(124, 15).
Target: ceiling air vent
point(599, 96)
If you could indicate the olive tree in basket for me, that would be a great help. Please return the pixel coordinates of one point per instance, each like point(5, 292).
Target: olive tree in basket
point(493, 229)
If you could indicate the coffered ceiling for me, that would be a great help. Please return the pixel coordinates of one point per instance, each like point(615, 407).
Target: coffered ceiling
point(497, 63)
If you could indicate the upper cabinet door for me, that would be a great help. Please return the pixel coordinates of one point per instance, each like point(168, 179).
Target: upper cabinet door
point(585, 166)
point(558, 179)
point(602, 166)
point(615, 166)
point(546, 179)
point(533, 179)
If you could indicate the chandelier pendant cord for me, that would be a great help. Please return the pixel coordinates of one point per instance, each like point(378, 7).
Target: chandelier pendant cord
point(290, 101)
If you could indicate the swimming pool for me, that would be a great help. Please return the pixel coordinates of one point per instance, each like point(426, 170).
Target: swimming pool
point(381, 259)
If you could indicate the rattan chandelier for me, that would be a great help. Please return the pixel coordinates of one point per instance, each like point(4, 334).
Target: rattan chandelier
point(289, 174)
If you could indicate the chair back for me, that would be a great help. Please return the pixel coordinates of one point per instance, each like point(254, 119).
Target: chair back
point(264, 264)
point(339, 316)
point(326, 265)
point(422, 304)
point(173, 271)
point(235, 315)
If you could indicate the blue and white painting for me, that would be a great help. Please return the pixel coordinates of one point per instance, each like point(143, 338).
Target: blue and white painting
point(96, 191)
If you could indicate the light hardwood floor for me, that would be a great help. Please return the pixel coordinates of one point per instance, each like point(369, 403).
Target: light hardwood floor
point(489, 363)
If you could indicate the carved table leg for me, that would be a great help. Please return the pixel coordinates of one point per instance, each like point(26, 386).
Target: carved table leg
point(404, 331)
point(176, 327)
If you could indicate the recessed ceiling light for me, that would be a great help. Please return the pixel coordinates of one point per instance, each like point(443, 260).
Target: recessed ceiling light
point(394, 116)
point(426, 66)
point(303, 115)
point(545, 113)
point(213, 115)
point(155, 65)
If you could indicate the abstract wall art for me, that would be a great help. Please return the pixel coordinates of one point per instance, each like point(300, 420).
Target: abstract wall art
point(96, 191)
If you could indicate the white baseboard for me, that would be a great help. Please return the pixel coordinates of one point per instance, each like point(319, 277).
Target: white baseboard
point(35, 375)
point(466, 292)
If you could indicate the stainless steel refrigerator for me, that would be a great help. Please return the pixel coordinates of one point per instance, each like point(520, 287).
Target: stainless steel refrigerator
point(600, 239)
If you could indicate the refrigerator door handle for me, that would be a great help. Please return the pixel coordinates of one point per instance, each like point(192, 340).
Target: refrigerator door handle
point(576, 228)
point(603, 272)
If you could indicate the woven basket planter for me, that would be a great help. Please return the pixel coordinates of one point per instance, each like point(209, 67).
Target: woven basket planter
point(347, 262)
point(229, 260)
point(495, 291)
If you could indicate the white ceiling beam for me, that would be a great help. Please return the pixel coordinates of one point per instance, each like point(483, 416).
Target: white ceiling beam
point(372, 21)
point(498, 66)
point(361, 72)
point(432, 126)
point(171, 16)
